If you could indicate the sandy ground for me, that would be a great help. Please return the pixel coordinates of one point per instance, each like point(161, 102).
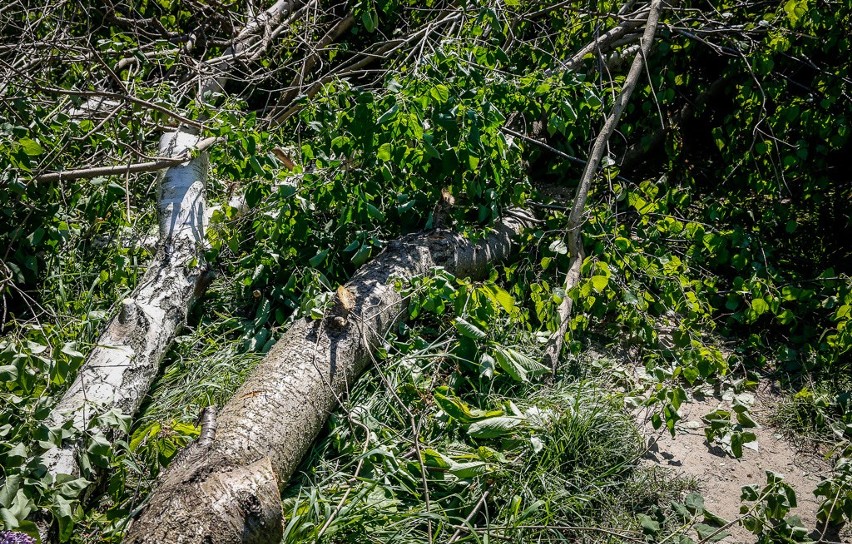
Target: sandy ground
point(721, 476)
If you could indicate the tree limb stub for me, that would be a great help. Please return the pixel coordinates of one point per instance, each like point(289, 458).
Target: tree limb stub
point(227, 491)
point(575, 218)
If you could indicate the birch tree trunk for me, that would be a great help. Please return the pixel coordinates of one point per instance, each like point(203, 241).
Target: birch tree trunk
point(120, 369)
point(124, 363)
point(227, 490)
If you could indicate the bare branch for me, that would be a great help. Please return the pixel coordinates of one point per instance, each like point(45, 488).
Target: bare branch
point(576, 217)
point(124, 97)
point(605, 41)
point(120, 169)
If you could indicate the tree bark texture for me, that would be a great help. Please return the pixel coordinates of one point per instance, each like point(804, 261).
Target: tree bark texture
point(123, 364)
point(227, 491)
point(120, 369)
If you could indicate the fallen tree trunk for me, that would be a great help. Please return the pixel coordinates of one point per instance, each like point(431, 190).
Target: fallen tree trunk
point(124, 363)
point(227, 489)
point(121, 368)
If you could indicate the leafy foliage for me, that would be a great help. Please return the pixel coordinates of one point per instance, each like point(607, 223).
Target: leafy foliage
point(716, 238)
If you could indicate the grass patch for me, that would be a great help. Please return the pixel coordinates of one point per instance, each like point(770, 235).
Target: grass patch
point(393, 466)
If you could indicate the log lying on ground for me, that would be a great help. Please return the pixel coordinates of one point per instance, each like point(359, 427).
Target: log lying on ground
point(227, 490)
point(122, 366)
point(125, 361)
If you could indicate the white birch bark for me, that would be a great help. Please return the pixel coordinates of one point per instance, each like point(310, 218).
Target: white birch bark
point(120, 369)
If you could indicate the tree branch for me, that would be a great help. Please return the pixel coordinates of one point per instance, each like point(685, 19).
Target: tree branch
point(127, 98)
point(121, 169)
point(575, 218)
point(604, 41)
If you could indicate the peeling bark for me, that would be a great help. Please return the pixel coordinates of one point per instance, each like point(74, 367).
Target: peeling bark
point(226, 491)
point(124, 363)
point(120, 369)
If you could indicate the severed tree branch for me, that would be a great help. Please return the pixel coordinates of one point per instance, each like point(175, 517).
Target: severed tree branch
point(122, 97)
point(120, 169)
point(576, 217)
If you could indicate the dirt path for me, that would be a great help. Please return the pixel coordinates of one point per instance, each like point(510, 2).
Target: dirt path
point(722, 476)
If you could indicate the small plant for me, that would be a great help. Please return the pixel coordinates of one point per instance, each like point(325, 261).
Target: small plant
point(689, 514)
point(767, 516)
point(730, 436)
point(837, 490)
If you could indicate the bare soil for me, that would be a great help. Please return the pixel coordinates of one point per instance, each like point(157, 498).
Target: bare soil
point(721, 476)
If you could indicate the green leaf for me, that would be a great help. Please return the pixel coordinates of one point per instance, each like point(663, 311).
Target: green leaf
point(29, 528)
point(317, 259)
point(9, 520)
point(472, 161)
point(61, 509)
point(796, 9)
point(599, 283)
point(370, 19)
point(375, 213)
point(457, 408)
point(744, 419)
point(517, 365)
point(500, 296)
point(759, 306)
point(494, 427)
point(681, 510)
point(71, 489)
point(31, 147)
point(469, 330)
point(8, 373)
point(694, 502)
point(486, 366)
point(362, 255)
point(388, 115)
point(384, 152)
point(749, 492)
point(440, 93)
point(468, 470)
point(436, 459)
point(705, 531)
point(10, 489)
point(649, 524)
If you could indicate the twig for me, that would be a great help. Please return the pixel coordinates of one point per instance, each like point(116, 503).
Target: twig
point(566, 156)
point(602, 42)
point(469, 517)
point(133, 168)
point(333, 34)
point(127, 98)
point(416, 438)
point(277, 117)
point(354, 479)
point(548, 147)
